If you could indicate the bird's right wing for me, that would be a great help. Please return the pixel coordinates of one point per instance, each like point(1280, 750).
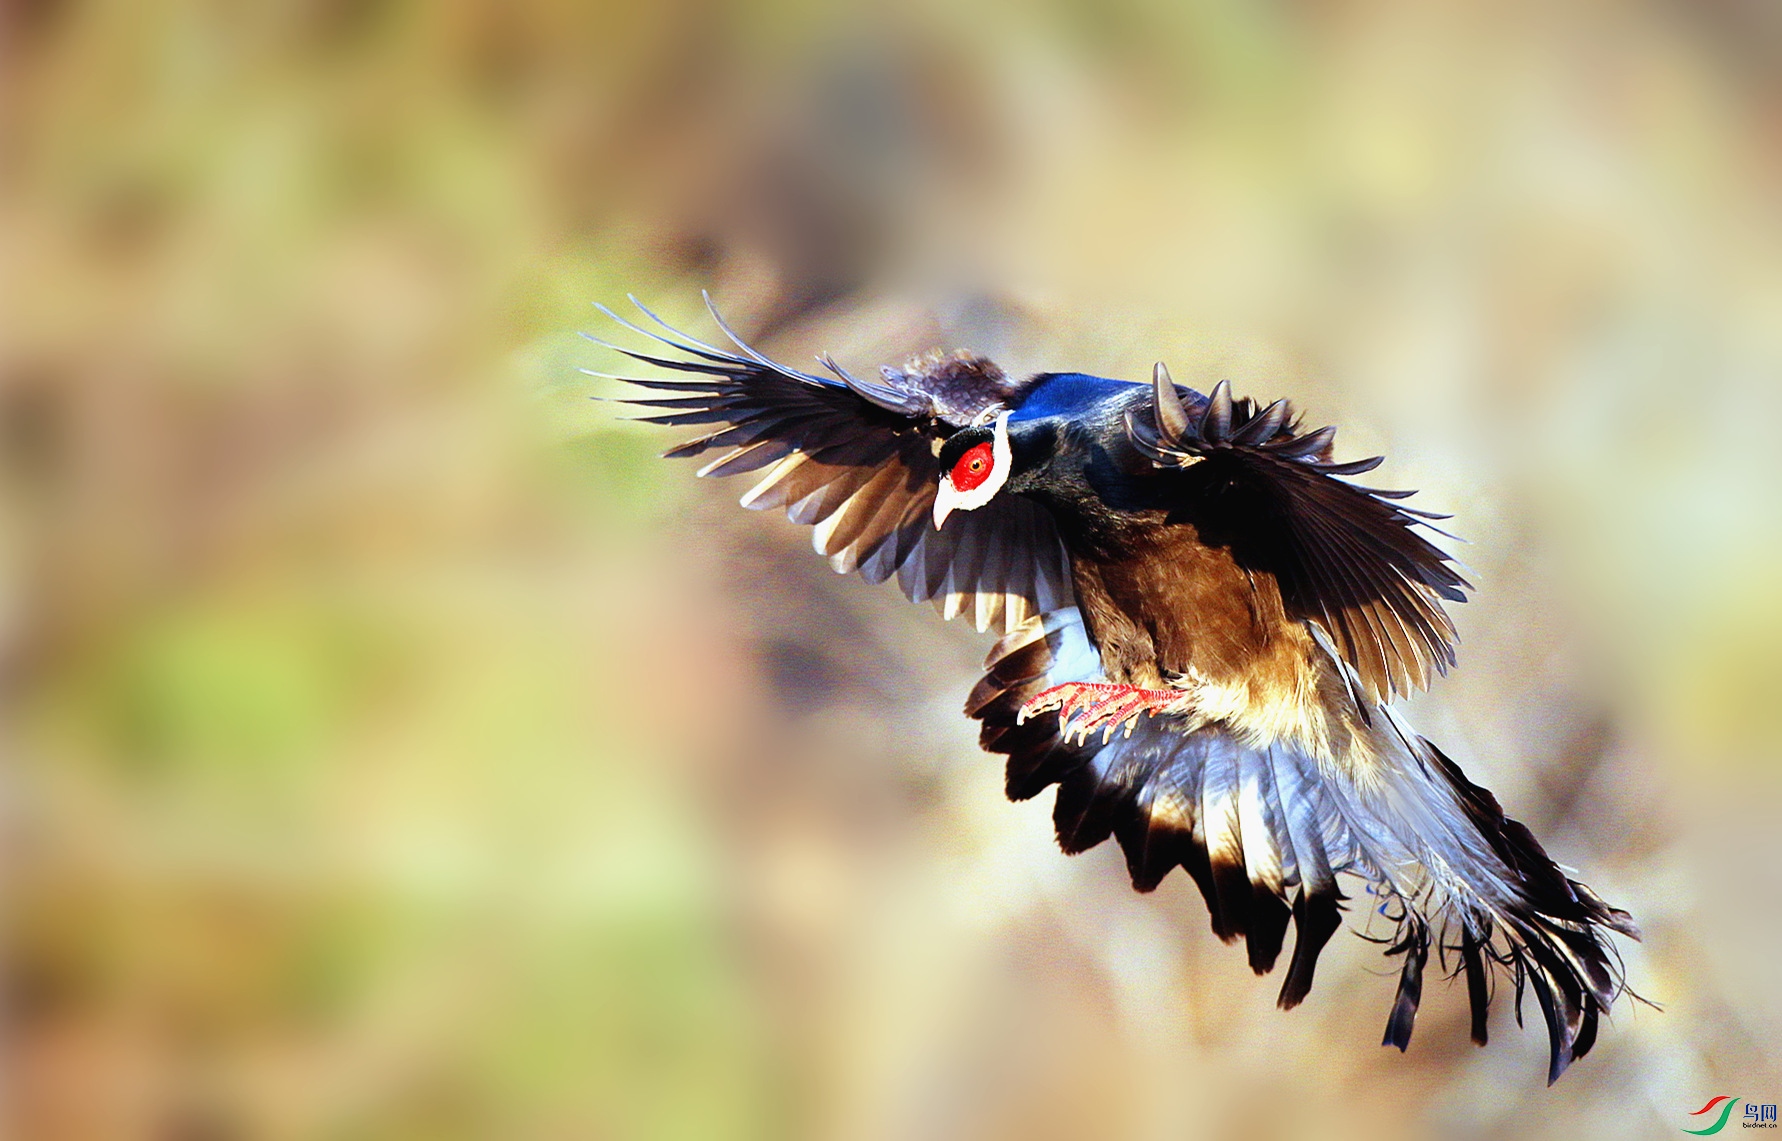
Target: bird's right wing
point(856, 460)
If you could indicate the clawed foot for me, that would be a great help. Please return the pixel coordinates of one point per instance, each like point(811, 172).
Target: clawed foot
point(1085, 706)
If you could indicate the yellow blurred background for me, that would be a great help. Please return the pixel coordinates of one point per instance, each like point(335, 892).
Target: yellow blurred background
point(395, 749)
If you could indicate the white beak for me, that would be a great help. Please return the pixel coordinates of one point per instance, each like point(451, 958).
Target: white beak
point(945, 499)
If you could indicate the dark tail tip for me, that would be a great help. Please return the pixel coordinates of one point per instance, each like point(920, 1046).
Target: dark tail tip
point(1316, 918)
point(1268, 927)
point(1477, 996)
point(1415, 947)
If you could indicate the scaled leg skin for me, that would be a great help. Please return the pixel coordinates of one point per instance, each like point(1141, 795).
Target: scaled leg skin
point(1084, 706)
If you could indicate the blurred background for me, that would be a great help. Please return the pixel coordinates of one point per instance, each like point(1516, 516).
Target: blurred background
point(395, 748)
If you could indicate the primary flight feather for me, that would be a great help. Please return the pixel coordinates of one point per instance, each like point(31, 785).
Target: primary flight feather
point(1204, 623)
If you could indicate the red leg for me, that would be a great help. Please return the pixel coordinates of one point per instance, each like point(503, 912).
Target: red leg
point(1084, 706)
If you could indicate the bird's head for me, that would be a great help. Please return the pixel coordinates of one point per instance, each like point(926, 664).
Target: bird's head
point(975, 462)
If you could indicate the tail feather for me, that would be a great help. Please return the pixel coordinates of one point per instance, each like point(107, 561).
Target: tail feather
point(1089, 802)
point(1269, 915)
point(1413, 944)
point(1317, 912)
point(1552, 928)
point(1586, 1036)
point(1156, 838)
point(1559, 1023)
point(1316, 917)
point(1263, 863)
point(1478, 996)
point(1222, 837)
point(1266, 830)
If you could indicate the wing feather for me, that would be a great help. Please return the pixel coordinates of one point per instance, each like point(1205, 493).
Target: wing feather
point(1346, 557)
point(856, 461)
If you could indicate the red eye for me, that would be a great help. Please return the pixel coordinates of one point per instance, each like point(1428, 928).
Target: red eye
point(973, 467)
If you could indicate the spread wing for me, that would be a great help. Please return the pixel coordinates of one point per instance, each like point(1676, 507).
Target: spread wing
point(1348, 559)
point(855, 460)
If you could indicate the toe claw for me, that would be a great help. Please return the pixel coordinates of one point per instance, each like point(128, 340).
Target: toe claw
point(1084, 707)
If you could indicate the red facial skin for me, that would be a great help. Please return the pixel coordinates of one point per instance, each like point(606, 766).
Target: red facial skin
point(973, 467)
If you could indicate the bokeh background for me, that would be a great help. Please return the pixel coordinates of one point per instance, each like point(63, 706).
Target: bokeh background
point(394, 748)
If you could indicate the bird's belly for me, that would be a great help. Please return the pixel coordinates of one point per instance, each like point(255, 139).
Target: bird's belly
point(1185, 614)
point(1177, 607)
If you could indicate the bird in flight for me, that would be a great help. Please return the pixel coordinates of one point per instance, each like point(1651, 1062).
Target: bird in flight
point(1203, 622)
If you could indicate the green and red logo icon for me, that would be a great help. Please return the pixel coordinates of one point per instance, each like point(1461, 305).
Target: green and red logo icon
point(1725, 1105)
point(1756, 1116)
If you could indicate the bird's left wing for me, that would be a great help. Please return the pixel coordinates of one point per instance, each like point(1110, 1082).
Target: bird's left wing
point(856, 460)
point(1349, 560)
